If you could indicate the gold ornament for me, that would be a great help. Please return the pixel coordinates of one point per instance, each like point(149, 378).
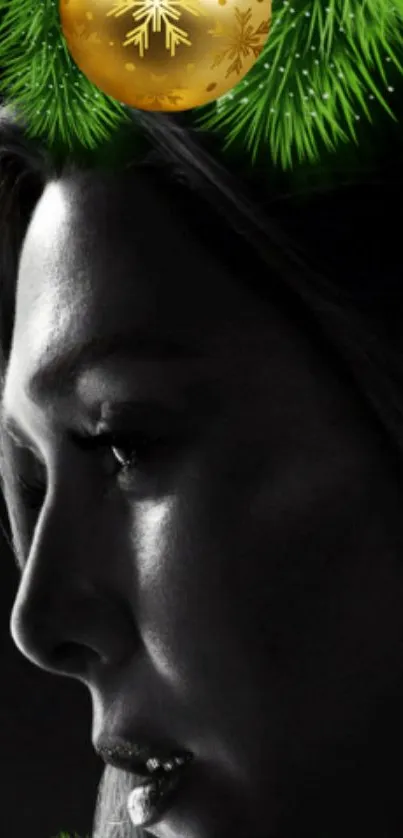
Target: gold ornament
point(165, 55)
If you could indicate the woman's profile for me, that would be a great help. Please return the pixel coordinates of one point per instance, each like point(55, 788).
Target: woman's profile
point(201, 461)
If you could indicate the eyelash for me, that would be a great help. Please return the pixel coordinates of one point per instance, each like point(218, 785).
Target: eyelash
point(34, 491)
point(109, 439)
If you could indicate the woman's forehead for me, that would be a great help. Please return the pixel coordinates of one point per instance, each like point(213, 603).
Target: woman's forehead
point(106, 210)
point(92, 239)
point(109, 242)
point(83, 275)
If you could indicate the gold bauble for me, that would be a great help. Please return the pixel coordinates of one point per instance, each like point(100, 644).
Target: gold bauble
point(165, 55)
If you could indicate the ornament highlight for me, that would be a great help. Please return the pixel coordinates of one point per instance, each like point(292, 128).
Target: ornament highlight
point(165, 55)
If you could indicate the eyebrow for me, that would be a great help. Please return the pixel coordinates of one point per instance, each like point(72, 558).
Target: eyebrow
point(58, 375)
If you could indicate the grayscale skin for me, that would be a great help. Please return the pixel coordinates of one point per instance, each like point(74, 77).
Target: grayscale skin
point(240, 592)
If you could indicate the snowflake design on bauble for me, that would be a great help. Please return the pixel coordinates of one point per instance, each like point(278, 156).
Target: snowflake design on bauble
point(154, 13)
point(160, 99)
point(242, 39)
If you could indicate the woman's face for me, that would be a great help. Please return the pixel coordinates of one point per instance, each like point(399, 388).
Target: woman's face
point(237, 590)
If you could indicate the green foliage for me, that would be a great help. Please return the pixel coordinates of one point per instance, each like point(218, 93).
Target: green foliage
point(320, 69)
point(315, 73)
point(40, 77)
point(66, 835)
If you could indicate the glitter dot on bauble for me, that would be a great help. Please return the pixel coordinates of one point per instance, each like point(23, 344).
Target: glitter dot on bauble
point(165, 55)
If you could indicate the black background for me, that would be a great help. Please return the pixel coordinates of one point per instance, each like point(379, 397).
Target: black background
point(48, 769)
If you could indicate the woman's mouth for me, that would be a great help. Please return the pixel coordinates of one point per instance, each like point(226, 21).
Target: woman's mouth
point(152, 796)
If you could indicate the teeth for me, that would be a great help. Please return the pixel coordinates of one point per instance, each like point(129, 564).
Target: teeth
point(153, 765)
point(156, 765)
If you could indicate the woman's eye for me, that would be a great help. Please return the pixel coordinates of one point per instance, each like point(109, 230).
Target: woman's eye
point(131, 452)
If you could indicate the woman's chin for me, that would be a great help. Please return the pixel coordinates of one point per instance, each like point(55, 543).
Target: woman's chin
point(201, 807)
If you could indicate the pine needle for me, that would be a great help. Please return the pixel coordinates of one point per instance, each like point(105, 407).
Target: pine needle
point(314, 79)
point(40, 78)
point(323, 68)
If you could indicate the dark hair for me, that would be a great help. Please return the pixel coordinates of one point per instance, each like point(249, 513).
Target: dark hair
point(344, 319)
point(176, 157)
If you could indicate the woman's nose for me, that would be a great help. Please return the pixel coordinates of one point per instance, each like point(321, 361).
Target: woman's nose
point(70, 614)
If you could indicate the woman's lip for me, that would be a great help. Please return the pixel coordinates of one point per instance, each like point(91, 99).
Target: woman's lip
point(151, 797)
point(139, 759)
point(151, 767)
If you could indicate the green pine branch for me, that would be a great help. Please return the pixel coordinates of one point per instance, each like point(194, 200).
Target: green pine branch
point(66, 835)
point(41, 79)
point(313, 81)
